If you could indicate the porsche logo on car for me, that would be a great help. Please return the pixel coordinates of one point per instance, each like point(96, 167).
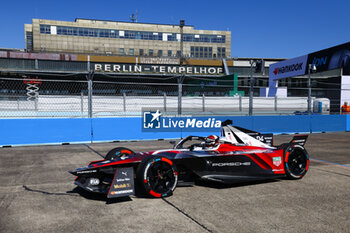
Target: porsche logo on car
point(233, 164)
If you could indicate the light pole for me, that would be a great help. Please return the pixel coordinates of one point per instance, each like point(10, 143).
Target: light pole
point(182, 24)
point(259, 68)
point(311, 67)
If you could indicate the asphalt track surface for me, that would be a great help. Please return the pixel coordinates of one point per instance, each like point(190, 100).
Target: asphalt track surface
point(37, 195)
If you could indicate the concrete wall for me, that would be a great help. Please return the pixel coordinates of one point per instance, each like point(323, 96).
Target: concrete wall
point(56, 131)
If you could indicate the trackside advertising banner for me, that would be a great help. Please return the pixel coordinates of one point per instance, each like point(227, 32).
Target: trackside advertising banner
point(331, 58)
point(155, 121)
point(285, 69)
point(288, 68)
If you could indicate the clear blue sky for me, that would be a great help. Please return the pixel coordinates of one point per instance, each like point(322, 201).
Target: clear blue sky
point(270, 28)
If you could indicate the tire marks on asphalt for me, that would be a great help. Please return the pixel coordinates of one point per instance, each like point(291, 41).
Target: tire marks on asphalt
point(332, 172)
point(94, 150)
point(187, 215)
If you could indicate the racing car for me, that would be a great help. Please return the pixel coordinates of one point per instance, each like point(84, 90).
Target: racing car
point(238, 155)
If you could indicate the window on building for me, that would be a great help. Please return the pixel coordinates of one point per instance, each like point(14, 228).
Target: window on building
point(45, 29)
point(137, 35)
point(197, 51)
point(121, 51)
point(29, 36)
point(131, 51)
point(221, 52)
point(141, 53)
point(150, 52)
point(169, 53)
point(160, 53)
point(178, 53)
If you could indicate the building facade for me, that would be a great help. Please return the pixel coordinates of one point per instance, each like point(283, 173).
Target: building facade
point(88, 36)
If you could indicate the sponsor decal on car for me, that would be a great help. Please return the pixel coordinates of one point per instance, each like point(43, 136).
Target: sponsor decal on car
point(277, 161)
point(123, 183)
point(231, 164)
point(87, 171)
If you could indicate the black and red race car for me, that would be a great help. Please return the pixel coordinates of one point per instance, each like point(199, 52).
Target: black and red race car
point(238, 155)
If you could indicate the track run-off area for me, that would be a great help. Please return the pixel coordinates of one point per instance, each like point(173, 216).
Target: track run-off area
point(37, 194)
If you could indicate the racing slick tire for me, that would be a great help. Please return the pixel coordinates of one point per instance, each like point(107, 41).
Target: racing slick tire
point(157, 176)
point(296, 161)
point(118, 152)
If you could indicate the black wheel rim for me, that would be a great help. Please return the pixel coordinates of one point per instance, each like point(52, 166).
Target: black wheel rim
point(161, 177)
point(297, 162)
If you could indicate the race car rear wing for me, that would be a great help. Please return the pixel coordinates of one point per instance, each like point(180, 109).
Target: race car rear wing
point(299, 139)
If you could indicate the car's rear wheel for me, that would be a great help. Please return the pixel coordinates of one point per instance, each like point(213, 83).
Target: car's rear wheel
point(296, 161)
point(157, 176)
point(119, 152)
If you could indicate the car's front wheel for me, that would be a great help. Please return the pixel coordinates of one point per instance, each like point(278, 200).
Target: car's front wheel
point(157, 175)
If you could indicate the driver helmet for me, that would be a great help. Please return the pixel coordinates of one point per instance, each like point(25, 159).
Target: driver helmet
point(212, 141)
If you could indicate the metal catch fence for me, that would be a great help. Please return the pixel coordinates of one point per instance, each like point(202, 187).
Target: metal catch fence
point(20, 97)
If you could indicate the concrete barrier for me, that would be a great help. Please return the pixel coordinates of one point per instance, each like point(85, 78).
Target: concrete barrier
point(79, 130)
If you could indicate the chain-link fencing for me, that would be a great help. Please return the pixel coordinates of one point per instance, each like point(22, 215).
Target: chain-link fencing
point(24, 97)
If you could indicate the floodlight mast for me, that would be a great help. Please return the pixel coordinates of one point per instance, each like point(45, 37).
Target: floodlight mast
point(311, 67)
point(259, 68)
point(182, 24)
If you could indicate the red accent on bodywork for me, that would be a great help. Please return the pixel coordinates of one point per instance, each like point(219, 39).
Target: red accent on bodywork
point(154, 194)
point(167, 160)
point(109, 189)
point(258, 161)
point(145, 181)
point(264, 160)
point(132, 160)
point(125, 152)
point(286, 159)
point(97, 161)
point(307, 165)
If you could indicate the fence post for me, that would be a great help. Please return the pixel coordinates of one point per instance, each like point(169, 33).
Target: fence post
point(251, 90)
point(82, 102)
point(180, 79)
point(124, 101)
point(88, 63)
point(36, 102)
point(164, 94)
point(275, 103)
point(90, 77)
point(240, 103)
point(203, 102)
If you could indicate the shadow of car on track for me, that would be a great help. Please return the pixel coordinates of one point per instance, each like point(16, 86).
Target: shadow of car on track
point(142, 195)
point(217, 185)
point(79, 192)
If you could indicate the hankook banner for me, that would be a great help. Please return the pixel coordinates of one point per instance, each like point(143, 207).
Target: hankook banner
point(288, 68)
point(328, 59)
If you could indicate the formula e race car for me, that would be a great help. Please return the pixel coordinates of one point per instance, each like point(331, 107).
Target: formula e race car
point(238, 155)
